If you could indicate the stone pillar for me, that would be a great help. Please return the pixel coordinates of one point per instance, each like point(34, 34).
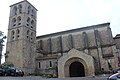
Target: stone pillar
point(100, 58)
point(70, 40)
point(49, 46)
point(61, 45)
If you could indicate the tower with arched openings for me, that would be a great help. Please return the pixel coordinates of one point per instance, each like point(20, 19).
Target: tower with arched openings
point(22, 36)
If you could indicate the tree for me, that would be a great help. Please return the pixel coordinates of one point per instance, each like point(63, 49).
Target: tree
point(2, 37)
point(6, 65)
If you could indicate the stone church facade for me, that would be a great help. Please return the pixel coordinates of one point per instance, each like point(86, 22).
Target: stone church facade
point(78, 52)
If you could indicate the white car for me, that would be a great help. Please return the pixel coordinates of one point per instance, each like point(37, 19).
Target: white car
point(115, 76)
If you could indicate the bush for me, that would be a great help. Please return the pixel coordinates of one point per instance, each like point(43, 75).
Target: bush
point(6, 65)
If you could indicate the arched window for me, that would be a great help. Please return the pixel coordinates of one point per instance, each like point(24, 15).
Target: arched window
point(14, 11)
point(17, 33)
point(31, 33)
point(19, 19)
point(32, 23)
point(29, 9)
point(39, 65)
point(32, 12)
point(20, 8)
point(31, 36)
point(28, 33)
point(28, 21)
point(13, 22)
point(50, 62)
point(12, 34)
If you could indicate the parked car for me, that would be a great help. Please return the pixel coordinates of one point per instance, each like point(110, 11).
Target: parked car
point(12, 71)
point(115, 76)
point(2, 72)
point(19, 72)
point(116, 71)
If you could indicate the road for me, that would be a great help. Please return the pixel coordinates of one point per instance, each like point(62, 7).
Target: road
point(39, 78)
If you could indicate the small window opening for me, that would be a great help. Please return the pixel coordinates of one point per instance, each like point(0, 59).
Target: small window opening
point(39, 65)
point(50, 63)
point(18, 36)
point(13, 37)
point(19, 23)
point(14, 24)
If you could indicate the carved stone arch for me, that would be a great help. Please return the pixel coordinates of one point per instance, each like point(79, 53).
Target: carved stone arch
point(72, 56)
point(72, 60)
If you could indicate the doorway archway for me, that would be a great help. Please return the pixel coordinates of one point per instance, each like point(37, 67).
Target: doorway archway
point(76, 69)
point(75, 58)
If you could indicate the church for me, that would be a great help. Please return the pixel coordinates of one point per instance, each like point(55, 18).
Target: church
point(80, 52)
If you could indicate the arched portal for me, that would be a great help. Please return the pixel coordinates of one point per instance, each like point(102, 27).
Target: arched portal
point(76, 69)
point(75, 59)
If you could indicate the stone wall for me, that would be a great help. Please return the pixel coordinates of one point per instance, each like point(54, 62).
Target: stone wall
point(96, 41)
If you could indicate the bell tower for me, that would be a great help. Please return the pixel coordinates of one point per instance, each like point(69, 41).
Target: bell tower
point(21, 37)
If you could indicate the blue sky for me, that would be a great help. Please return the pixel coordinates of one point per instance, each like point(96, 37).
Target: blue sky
point(60, 15)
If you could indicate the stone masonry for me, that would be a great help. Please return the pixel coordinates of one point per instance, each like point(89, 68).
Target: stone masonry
point(81, 52)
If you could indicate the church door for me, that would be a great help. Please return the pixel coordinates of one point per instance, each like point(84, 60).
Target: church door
point(76, 69)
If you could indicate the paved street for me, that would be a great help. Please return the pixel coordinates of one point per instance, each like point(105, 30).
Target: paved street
point(39, 78)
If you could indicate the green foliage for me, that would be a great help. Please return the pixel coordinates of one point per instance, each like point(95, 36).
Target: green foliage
point(51, 68)
point(2, 37)
point(6, 65)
